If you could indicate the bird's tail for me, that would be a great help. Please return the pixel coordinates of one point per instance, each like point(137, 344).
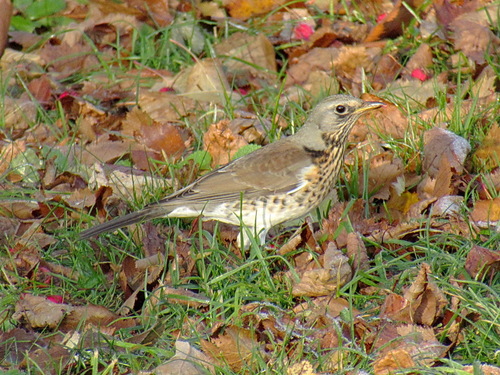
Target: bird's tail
point(147, 213)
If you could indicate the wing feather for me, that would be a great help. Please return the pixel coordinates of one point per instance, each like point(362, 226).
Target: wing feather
point(269, 169)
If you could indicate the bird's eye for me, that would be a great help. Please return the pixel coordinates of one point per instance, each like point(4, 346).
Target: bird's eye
point(340, 109)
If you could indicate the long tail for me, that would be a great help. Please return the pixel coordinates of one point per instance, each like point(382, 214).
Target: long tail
point(147, 213)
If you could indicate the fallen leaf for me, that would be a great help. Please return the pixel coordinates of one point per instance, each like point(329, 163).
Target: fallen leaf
point(244, 9)
point(205, 81)
point(39, 312)
point(383, 172)
point(482, 261)
point(485, 369)
point(406, 346)
point(161, 137)
point(387, 121)
point(301, 368)
point(222, 143)
point(247, 56)
point(186, 361)
point(486, 211)
point(443, 144)
point(19, 114)
point(334, 272)
point(356, 251)
point(474, 39)
point(235, 347)
point(460, 108)
point(422, 303)
point(126, 183)
point(392, 25)
point(488, 153)
point(421, 59)
point(386, 71)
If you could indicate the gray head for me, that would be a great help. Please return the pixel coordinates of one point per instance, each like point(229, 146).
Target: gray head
point(337, 114)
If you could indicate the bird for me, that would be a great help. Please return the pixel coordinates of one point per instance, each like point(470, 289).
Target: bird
point(281, 181)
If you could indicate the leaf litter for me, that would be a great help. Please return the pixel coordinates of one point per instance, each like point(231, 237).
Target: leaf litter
point(121, 133)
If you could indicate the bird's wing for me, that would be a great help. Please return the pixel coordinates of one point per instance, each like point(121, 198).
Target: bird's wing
point(275, 168)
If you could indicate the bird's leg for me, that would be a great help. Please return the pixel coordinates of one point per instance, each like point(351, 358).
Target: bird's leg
point(248, 235)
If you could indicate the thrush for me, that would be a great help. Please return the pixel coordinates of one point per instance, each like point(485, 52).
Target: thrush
point(281, 181)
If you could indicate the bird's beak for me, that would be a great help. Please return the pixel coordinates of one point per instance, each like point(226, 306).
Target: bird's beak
point(369, 106)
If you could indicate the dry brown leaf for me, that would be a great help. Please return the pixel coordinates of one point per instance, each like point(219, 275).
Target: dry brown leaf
point(447, 205)
point(34, 238)
point(222, 143)
point(356, 251)
point(486, 212)
point(303, 237)
point(323, 280)
point(443, 144)
point(165, 107)
point(141, 272)
point(159, 10)
point(178, 296)
point(393, 361)
point(323, 305)
point(51, 360)
point(125, 183)
point(68, 57)
point(422, 303)
point(482, 261)
point(489, 180)
point(406, 346)
point(421, 59)
point(41, 89)
point(9, 152)
point(15, 343)
point(161, 137)
point(488, 152)
point(186, 361)
point(392, 25)
point(18, 115)
point(21, 209)
point(97, 316)
point(106, 151)
point(474, 38)
point(246, 56)
point(485, 369)
point(38, 312)
point(485, 84)
point(301, 368)
point(251, 127)
point(415, 92)
point(387, 121)
point(352, 63)
point(205, 81)
point(383, 172)
point(333, 225)
point(244, 9)
point(8, 228)
point(426, 298)
point(81, 198)
point(465, 108)
point(399, 205)
point(317, 59)
point(385, 71)
point(317, 83)
point(235, 347)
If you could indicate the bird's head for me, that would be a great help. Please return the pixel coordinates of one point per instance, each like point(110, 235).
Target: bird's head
point(336, 115)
